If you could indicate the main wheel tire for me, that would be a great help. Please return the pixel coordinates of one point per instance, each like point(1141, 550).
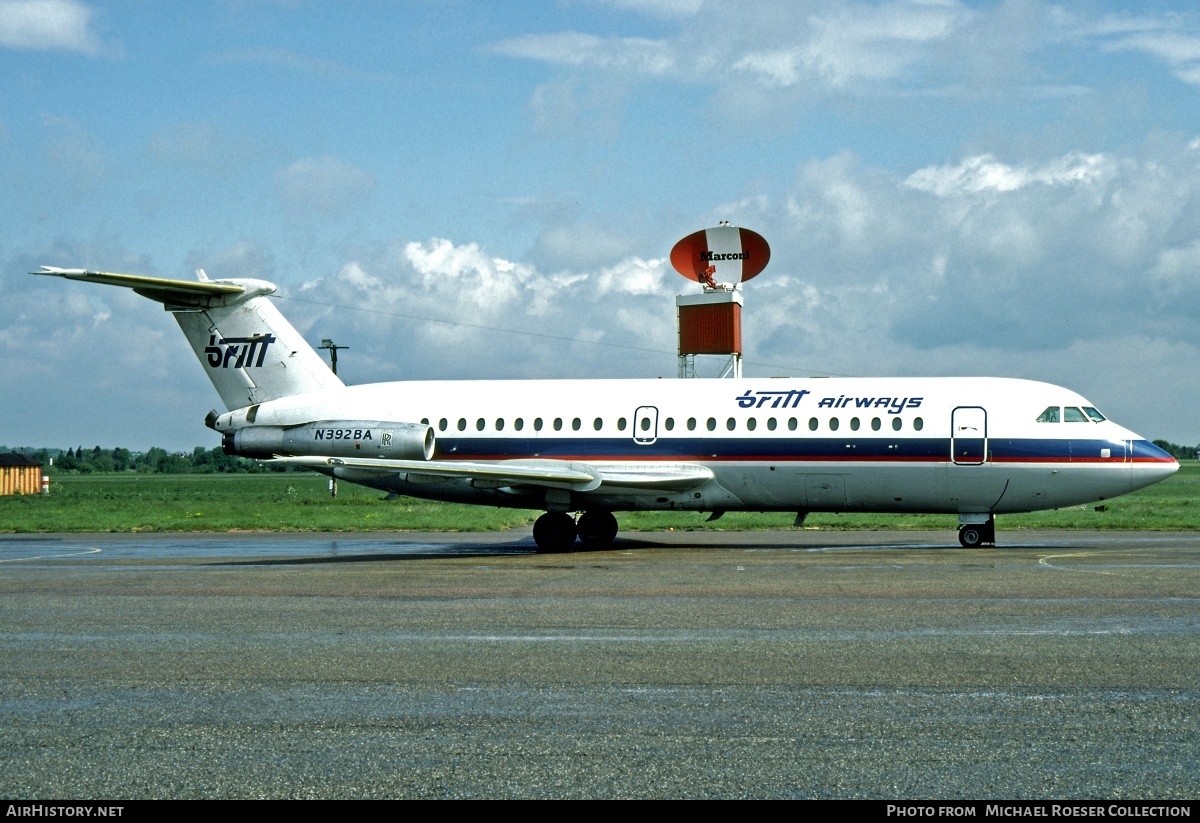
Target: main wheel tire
point(554, 532)
point(597, 529)
point(971, 537)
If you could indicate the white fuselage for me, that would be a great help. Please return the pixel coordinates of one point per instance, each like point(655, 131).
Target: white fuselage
point(953, 445)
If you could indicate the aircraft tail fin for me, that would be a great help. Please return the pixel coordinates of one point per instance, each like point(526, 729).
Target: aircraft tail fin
point(249, 350)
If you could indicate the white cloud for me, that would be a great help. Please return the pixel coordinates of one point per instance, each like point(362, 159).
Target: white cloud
point(634, 277)
point(47, 25)
point(761, 62)
point(453, 310)
point(465, 275)
point(1160, 37)
point(639, 55)
point(844, 44)
point(985, 173)
point(775, 45)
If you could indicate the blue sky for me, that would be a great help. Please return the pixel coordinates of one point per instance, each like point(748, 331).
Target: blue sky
point(469, 189)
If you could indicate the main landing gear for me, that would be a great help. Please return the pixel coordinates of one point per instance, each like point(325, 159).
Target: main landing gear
point(974, 535)
point(556, 532)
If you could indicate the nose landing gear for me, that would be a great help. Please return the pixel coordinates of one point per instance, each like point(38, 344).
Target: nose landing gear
point(974, 535)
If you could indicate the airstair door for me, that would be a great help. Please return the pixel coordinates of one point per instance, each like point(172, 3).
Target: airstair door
point(968, 435)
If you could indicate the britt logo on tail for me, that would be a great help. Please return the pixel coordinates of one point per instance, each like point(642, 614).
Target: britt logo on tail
point(243, 348)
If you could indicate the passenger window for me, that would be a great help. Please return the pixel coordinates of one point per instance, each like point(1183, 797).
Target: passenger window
point(442, 424)
point(691, 424)
point(462, 424)
point(575, 424)
point(854, 424)
point(792, 424)
point(771, 424)
point(479, 424)
point(731, 424)
point(518, 424)
point(875, 424)
point(812, 424)
point(897, 423)
point(424, 421)
point(669, 424)
point(598, 424)
point(918, 423)
point(499, 424)
point(833, 424)
point(711, 424)
point(621, 423)
point(537, 424)
point(1073, 415)
point(1050, 415)
point(751, 424)
point(558, 424)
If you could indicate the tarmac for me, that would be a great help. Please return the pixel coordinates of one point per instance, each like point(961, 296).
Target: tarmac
point(793, 664)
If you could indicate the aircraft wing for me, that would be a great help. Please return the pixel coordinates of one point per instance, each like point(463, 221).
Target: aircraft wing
point(561, 474)
point(161, 289)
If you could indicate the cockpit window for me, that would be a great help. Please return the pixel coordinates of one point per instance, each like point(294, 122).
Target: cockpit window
point(1070, 414)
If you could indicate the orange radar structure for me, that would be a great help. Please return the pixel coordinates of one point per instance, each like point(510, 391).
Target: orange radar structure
point(720, 259)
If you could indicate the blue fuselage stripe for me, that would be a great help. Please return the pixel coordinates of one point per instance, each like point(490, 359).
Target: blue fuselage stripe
point(699, 449)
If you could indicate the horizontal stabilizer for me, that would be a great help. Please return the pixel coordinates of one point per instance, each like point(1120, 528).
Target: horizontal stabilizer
point(162, 289)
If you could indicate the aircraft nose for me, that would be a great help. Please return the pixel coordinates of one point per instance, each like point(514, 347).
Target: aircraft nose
point(1161, 471)
point(1151, 464)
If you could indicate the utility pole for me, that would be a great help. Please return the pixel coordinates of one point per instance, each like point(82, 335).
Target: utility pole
point(326, 343)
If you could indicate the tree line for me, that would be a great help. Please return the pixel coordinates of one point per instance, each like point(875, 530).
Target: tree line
point(155, 461)
point(1179, 452)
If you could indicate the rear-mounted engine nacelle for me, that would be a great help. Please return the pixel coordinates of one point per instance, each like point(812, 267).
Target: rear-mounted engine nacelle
point(334, 438)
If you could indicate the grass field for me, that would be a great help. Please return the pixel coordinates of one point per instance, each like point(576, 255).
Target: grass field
point(301, 502)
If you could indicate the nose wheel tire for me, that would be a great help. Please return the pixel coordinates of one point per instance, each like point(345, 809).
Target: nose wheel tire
point(554, 532)
point(972, 536)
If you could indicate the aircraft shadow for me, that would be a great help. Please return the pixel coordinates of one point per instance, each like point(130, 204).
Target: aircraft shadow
point(408, 552)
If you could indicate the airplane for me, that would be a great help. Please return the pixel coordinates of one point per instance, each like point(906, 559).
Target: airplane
point(580, 450)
